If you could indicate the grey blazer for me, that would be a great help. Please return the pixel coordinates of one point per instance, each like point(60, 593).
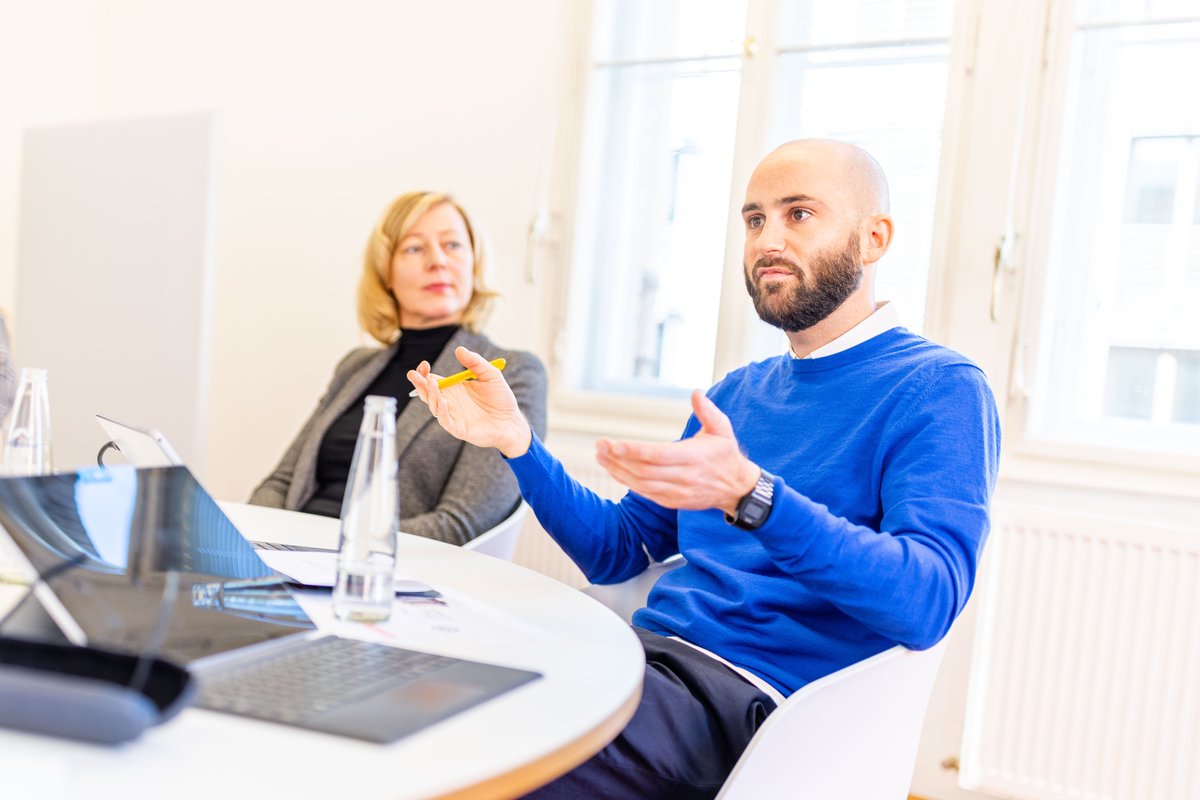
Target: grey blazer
point(449, 490)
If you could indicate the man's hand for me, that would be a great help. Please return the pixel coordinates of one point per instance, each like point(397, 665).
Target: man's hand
point(705, 471)
point(483, 412)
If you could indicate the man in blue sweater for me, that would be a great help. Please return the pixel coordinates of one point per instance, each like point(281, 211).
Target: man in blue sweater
point(830, 502)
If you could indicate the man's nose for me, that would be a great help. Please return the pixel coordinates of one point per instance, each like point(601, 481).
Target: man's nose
point(770, 238)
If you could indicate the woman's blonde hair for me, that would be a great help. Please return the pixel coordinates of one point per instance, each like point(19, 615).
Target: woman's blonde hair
point(378, 311)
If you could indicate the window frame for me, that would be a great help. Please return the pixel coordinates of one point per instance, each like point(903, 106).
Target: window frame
point(989, 264)
point(658, 417)
point(1029, 457)
point(574, 410)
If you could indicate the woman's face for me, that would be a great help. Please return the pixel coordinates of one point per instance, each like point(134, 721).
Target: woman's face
point(433, 270)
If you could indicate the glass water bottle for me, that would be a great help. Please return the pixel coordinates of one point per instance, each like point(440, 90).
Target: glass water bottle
point(27, 438)
point(370, 519)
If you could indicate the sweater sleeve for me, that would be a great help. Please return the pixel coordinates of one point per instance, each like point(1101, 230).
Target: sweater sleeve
point(909, 579)
point(609, 541)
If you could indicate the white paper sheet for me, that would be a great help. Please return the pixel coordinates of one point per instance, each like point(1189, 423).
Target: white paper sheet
point(319, 569)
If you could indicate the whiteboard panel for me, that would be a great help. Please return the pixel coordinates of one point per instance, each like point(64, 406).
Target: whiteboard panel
point(114, 276)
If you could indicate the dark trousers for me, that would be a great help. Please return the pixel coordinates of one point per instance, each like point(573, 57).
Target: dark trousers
point(695, 718)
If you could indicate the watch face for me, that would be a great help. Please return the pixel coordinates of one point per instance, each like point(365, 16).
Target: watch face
point(754, 512)
point(756, 506)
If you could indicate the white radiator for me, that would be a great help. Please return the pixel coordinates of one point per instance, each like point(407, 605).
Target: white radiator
point(1085, 680)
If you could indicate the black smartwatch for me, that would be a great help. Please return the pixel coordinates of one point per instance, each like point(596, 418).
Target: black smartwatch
point(754, 508)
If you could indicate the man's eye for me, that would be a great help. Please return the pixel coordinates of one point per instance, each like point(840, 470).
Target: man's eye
point(800, 214)
point(754, 222)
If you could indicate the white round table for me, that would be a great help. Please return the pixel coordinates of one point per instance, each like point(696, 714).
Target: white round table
point(591, 665)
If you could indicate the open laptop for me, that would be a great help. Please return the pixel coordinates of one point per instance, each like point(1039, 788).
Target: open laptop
point(147, 447)
point(143, 560)
point(141, 447)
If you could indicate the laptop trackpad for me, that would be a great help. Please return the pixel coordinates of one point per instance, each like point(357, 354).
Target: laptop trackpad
point(388, 716)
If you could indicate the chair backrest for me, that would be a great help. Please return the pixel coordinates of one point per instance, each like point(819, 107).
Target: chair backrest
point(851, 735)
point(501, 541)
point(627, 597)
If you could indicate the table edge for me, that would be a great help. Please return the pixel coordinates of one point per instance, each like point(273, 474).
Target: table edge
point(530, 776)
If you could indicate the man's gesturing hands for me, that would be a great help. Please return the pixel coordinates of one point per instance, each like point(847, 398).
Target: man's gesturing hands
point(704, 471)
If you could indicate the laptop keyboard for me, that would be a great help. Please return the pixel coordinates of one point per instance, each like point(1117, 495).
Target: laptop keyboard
point(313, 677)
point(297, 548)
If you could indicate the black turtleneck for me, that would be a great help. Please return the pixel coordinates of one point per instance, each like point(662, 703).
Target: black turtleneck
point(337, 448)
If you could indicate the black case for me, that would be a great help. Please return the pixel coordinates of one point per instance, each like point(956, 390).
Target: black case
point(84, 693)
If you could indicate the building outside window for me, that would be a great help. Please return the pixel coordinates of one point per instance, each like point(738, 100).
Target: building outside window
point(1120, 334)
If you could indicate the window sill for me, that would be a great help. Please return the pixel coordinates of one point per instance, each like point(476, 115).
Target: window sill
point(1075, 466)
point(619, 416)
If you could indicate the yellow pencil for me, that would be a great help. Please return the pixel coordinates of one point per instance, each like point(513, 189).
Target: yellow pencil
point(459, 377)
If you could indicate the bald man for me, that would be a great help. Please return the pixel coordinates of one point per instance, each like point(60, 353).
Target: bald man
point(830, 502)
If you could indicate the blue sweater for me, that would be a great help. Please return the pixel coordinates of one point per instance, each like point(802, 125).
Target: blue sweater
point(885, 456)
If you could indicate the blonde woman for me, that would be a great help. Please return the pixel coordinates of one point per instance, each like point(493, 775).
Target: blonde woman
point(421, 295)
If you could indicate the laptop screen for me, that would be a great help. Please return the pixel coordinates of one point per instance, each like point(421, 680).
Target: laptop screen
point(105, 541)
point(141, 447)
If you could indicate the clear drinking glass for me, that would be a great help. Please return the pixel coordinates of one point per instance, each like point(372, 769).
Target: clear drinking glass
point(370, 519)
point(27, 439)
point(8, 379)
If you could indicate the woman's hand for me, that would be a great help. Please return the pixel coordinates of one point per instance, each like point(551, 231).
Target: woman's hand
point(483, 412)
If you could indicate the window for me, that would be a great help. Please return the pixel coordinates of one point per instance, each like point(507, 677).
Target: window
point(1187, 388)
point(662, 136)
point(1125, 257)
point(652, 208)
point(894, 52)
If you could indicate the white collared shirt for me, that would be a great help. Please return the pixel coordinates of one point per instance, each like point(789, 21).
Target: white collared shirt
point(766, 688)
point(882, 319)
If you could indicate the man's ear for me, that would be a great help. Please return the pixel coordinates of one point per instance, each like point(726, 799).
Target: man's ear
point(875, 235)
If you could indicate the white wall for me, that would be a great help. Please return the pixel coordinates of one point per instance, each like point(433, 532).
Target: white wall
point(326, 112)
point(119, 328)
point(49, 56)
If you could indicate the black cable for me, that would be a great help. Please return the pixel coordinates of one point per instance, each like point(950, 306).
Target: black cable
point(107, 446)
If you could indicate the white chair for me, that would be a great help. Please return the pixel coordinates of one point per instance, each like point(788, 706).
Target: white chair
point(627, 597)
point(851, 735)
point(501, 541)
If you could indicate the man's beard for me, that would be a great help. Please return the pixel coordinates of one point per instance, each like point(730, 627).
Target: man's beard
point(832, 278)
